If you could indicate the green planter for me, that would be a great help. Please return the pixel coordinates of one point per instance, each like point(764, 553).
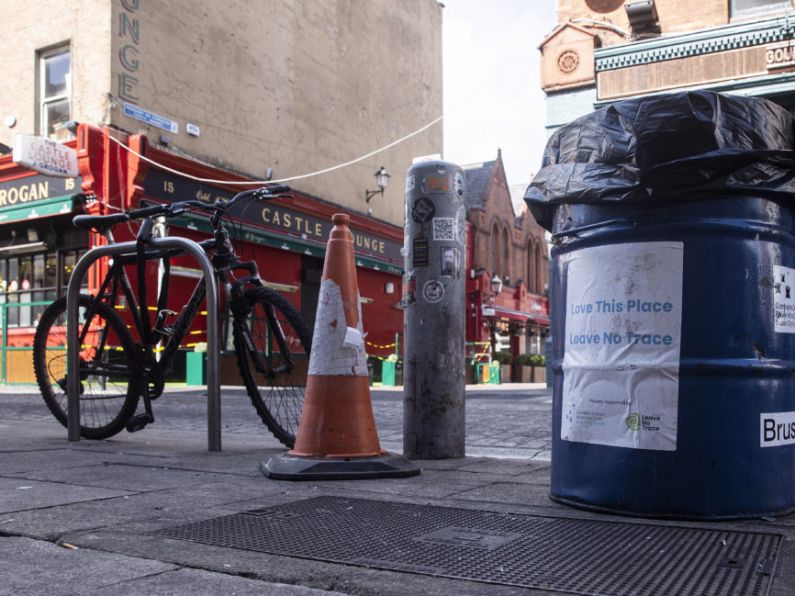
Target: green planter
point(194, 368)
point(388, 376)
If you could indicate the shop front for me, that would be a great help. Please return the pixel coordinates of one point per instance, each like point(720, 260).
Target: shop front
point(38, 250)
point(286, 237)
point(510, 321)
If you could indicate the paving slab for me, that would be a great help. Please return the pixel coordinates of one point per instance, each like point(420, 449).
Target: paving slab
point(130, 477)
point(184, 502)
point(36, 461)
point(108, 497)
point(34, 567)
point(17, 494)
point(198, 582)
point(287, 570)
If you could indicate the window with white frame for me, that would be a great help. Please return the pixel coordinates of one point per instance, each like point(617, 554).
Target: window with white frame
point(743, 8)
point(54, 93)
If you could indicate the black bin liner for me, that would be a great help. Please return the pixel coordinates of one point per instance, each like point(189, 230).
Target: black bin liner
point(677, 146)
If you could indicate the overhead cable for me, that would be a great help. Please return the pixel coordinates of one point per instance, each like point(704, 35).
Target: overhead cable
point(281, 180)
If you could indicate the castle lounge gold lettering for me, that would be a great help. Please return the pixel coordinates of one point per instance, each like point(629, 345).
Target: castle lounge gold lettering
point(293, 223)
point(302, 225)
point(368, 243)
point(24, 193)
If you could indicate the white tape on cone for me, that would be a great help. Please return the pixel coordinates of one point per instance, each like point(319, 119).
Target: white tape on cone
point(336, 348)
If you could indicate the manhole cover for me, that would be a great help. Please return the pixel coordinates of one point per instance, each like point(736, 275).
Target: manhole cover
point(570, 555)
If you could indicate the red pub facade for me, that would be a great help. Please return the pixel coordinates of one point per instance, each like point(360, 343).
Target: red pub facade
point(286, 237)
point(39, 247)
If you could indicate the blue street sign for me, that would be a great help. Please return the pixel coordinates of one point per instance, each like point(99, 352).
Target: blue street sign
point(133, 111)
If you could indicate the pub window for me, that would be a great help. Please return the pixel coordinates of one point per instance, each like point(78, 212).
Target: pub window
point(530, 276)
point(506, 255)
point(495, 250)
point(541, 269)
point(751, 7)
point(55, 67)
point(28, 283)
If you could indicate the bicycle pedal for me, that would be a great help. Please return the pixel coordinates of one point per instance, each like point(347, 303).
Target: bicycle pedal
point(138, 422)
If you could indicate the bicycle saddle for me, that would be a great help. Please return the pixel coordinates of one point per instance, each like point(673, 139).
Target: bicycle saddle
point(99, 222)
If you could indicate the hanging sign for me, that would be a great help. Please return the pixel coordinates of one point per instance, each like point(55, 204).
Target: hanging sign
point(45, 156)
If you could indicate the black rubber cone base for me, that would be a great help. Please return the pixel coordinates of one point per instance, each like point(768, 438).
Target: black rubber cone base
point(290, 467)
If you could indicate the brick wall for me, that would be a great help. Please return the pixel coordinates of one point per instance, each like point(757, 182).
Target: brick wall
point(29, 27)
point(521, 234)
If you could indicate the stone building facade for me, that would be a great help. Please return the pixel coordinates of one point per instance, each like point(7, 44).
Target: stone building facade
point(219, 92)
point(512, 248)
point(603, 51)
point(293, 86)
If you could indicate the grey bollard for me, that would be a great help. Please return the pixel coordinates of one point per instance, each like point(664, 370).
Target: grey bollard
point(434, 312)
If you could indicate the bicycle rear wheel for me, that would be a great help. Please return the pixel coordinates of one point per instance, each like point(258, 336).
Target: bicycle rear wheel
point(272, 345)
point(108, 386)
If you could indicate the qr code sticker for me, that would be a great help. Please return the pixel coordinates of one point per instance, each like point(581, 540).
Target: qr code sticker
point(444, 228)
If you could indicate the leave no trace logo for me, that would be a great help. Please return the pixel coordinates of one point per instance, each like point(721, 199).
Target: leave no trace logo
point(633, 422)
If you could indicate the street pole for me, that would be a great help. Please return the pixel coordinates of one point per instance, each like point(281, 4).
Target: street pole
point(435, 312)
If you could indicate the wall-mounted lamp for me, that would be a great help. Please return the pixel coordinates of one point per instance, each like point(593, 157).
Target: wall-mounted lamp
point(496, 284)
point(382, 180)
point(389, 287)
point(643, 19)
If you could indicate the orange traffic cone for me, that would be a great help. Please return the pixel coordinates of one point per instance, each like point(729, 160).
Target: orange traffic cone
point(337, 438)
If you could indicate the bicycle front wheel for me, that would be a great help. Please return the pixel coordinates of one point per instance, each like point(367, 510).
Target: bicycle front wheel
point(272, 344)
point(108, 387)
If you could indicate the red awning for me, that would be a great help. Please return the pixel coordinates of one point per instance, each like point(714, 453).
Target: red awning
point(518, 315)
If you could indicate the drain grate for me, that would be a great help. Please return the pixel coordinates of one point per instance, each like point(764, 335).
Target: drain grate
point(570, 555)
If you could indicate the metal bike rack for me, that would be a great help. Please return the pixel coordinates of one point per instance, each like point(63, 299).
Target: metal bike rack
point(72, 336)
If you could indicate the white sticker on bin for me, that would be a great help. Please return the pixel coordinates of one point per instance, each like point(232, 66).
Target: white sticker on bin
point(777, 429)
point(336, 348)
point(622, 338)
point(783, 299)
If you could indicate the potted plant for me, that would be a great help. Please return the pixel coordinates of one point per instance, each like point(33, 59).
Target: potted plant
point(504, 358)
point(538, 364)
point(524, 367)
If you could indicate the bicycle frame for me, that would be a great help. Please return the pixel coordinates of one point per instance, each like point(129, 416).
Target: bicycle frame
point(149, 371)
point(117, 283)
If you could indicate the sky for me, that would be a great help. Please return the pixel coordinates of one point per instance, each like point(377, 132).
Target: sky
point(492, 84)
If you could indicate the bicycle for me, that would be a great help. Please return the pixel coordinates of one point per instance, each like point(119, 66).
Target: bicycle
point(271, 341)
